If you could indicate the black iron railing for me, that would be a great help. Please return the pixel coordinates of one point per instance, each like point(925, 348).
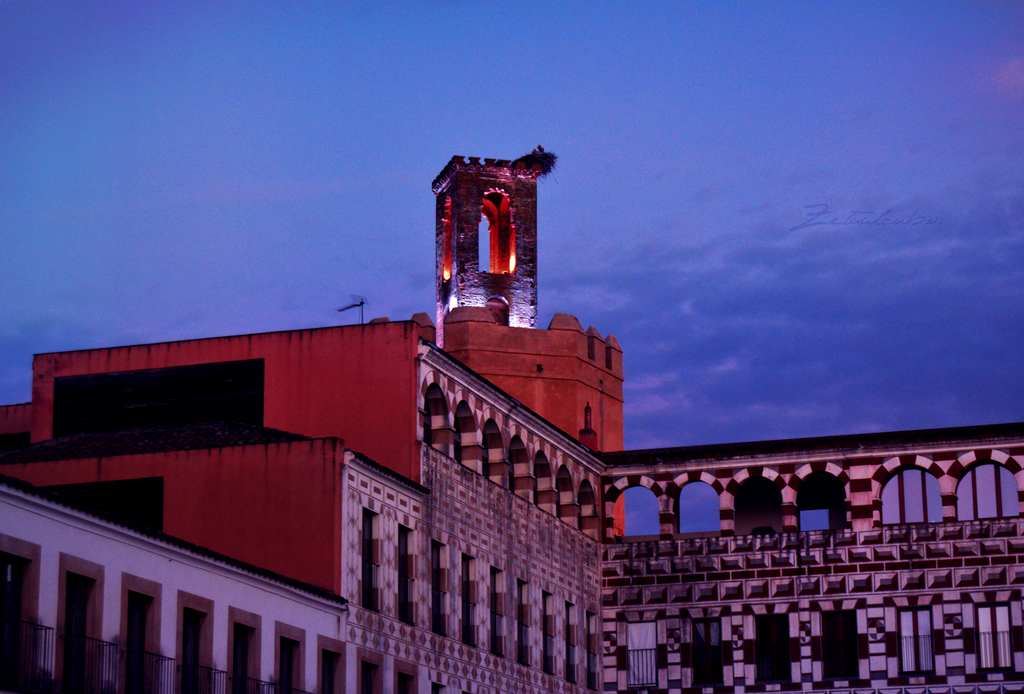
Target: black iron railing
point(254, 686)
point(707, 664)
point(497, 647)
point(148, 673)
point(369, 597)
point(570, 663)
point(196, 679)
point(643, 668)
point(437, 614)
point(591, 670)
point(549, 654)
point(522, 644)
point(90, 665)
point(916, 654)
point(26, 656)
point(405, 603)
point(994, 650)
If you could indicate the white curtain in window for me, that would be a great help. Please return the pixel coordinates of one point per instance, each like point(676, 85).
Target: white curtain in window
point(642, 636)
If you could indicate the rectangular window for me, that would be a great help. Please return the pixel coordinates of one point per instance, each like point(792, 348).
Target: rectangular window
point(468, 602)
point(570, 647)
point(88, 663)
point(590, 621)
point(404, 684)
point(369, 590)
point(522, 623)
point(328, 672)
point(706, 656)
point(916, 650)
point(547, 629)
point(839, 645)
point(993, 634)
point(135, 643)
point(367, 675)
point(772, 648)
point(192, 673)
point(438, 595)
point(642, 645)
point(405, 580)
point(240, 659)
point(288, 651)
point(26, 649)
point(497, 626)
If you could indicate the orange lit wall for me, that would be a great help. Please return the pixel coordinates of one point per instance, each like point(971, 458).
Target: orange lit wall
point(353, 382)
point(563, 385)
point(210, 494)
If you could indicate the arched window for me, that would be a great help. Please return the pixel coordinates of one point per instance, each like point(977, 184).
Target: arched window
point(565, 501)
point(465, 435)
point(501, 235)
point(699, 509)
point(522, 483)
point(821, 502)
point(589, 522)
point(544, 489)
point(911, 496)
point(435, 419)
point(636, 513)
point(499, 309)
point(987, 490)
point(495, 466)
point(758, 507)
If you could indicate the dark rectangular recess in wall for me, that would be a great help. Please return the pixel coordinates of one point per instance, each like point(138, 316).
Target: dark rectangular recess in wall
point(222, 391)
point(140, 501)
point(17, 440)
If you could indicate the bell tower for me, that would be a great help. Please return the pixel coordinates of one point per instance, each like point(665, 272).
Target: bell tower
point(486, 240)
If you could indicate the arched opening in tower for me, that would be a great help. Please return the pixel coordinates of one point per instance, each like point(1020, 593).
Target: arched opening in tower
point(500, 238)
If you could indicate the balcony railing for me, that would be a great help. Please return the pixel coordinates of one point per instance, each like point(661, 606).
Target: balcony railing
point(916, 654)
point(591, 670)
point(437, 614)
point(90, 665)
point(497, 647)
point(994, 650)
point(468, 623)
point(643, 668)
point(148, 673)
point(26, 657)
point(549, 654)
point(254, 686)
point(369, 596)
point(406, 612)
point(522, 644)
point(196, 679)
point(570, 663)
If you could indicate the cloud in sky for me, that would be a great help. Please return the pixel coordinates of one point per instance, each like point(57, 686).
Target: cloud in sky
point(181, 171)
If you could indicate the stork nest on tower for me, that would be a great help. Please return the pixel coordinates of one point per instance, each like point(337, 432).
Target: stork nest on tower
point(547, 160)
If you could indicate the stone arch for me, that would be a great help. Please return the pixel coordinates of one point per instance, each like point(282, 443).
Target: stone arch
point(757, 506)
point(911, 494)
point(438, 431)
point(544, 484)
point(821, 502)
point(567, 507)
point(466, 445)
point(698, 508)
point(522, 468)
point(636, 511)
point(494, 463)
point(614, 490)
point(987, 489)
point(589, 519)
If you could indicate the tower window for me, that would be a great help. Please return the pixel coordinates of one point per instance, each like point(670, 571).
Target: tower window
point(500, 237)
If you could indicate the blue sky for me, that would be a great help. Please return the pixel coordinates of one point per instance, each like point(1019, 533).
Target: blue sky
point(180, 170)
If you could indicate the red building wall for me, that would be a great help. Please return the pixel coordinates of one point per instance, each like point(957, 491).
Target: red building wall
point(354, 382)
point(256, 503)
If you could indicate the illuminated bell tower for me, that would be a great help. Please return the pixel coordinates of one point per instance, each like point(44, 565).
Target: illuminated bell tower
point(486, 240)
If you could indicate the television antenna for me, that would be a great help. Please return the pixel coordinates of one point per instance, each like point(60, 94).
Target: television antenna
point(357, 301)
